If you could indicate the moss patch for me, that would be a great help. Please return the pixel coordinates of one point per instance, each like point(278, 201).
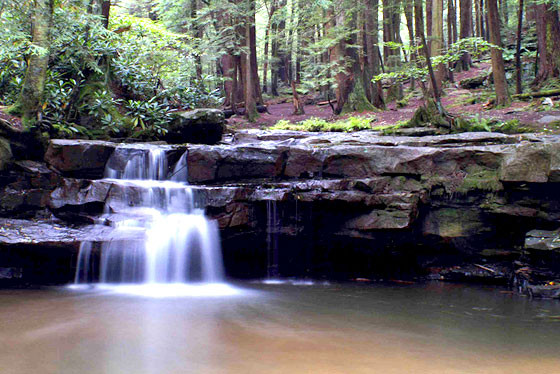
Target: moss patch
point(320, 125)
point(480, 180)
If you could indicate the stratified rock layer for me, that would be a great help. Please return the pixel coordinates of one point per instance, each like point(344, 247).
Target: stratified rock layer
point(335, 205)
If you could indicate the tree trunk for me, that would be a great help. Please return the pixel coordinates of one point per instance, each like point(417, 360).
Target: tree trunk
point(250, 94)
point(343, 77)
point(437, 39)
point(374, 91)
point(498, 71)
point(30, 99)
point(429, 7)
point(265, 64)
point(518, 71)
point(253, 49)
point(465, 30)
point(229, 71)
point(105, 12)
point(548, 36)
point(298, 105)
point(408, 13)
point(392, 56)
point(451, 34)
point(197, 34)
point(478, 15)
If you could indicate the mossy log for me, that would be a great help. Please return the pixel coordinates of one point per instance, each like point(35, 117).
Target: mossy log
point(533, 95)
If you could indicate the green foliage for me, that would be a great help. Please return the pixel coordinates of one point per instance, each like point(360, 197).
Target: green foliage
point(419, 70)
point(147, 117)
point(350, 124)
point(117, 83)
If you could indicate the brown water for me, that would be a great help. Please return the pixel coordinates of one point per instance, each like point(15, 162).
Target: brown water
point(323, 329)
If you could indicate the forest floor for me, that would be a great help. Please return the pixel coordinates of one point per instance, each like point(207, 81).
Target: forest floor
point(531, 114)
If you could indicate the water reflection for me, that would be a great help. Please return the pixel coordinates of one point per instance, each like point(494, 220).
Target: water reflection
point(278, 328)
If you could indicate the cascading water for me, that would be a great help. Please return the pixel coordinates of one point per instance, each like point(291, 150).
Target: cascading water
point(176, 245)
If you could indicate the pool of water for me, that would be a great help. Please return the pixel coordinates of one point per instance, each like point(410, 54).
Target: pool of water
point(274, 327)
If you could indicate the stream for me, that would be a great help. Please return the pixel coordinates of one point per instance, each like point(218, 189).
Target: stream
point(294, 327)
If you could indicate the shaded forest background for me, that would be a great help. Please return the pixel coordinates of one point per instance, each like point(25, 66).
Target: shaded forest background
point(97, 68)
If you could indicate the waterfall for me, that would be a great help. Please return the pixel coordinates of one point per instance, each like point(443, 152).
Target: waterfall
point(178, 245)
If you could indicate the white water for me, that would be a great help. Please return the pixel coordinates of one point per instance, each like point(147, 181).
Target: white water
point(179, 246)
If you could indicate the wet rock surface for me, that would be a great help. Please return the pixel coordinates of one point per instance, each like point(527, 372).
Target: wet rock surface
point(57, 234)
point(79, 158)
point(333, 205)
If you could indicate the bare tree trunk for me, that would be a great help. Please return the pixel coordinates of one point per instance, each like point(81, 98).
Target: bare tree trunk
point(498, 72)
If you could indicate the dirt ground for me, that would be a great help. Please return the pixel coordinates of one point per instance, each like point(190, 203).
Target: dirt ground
point(530, 114)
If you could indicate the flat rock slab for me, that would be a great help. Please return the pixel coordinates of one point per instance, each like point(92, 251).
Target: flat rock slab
point(26, 232)
point(549, 119)
point(543, 240)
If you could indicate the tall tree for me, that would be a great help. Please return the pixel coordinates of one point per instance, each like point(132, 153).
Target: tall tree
point(498, 71)
point(437, 39)
point(31, 97)
point(465, 30)
point(451, 33)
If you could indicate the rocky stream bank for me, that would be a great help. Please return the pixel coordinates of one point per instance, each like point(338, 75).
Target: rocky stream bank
point(465, 207)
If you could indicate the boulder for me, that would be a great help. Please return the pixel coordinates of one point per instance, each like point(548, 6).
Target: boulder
point(200, 126)
point(474, 82)
point(79, 158)
point(528, 162)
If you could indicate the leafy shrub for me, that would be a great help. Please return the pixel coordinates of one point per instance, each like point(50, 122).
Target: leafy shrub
point(116, 83)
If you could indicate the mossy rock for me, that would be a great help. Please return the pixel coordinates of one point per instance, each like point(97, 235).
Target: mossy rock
point(475, 82)
point(201, 126)
point(5, 153)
